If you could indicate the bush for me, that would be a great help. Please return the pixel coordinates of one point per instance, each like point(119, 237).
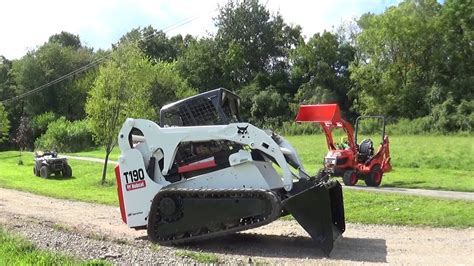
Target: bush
point(292, 128)
point(451, 116)
point(66, 136)
point(417, 126)
point(39, 123)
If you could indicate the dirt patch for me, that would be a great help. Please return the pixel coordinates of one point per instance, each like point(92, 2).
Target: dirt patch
point(50, 222)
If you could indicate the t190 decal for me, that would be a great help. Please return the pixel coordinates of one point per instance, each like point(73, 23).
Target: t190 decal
point(134, 179)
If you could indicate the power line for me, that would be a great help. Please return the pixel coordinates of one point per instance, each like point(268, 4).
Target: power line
point(95, 62)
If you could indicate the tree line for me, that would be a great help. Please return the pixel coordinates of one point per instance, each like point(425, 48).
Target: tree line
point(412, 63)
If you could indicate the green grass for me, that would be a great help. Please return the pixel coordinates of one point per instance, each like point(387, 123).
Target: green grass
point(377, 208)
point(15, 250)
point(429, 162)
point(84, 184)
point(98, 153)
point(361, 207)
point(200, 257)
point(395, 209)
point(434, 162)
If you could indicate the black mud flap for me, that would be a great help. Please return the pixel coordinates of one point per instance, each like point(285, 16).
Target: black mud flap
point(319, 209)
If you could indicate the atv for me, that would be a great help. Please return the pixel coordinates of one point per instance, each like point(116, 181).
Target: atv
point(48, 162)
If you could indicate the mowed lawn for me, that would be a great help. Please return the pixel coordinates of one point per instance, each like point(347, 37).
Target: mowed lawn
point(428, 162)
point(84, 184)
point(16, 250)
point(360, 207)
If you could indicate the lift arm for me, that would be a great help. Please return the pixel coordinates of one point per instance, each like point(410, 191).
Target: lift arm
point(168, 139)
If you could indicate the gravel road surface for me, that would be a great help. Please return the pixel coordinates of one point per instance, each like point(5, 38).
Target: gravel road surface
point(92, 231)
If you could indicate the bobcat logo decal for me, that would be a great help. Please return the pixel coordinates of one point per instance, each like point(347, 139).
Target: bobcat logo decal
point(242, 130)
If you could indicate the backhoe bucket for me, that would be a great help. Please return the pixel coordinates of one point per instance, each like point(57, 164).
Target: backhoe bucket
point(320, 211)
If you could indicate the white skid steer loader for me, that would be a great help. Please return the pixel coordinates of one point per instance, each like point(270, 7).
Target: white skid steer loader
point(202, 174)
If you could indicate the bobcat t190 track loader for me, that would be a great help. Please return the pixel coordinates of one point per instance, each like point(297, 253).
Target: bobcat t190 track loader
point(203, 174)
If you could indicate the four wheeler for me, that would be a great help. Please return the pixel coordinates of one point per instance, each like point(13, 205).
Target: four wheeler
point(350, 159)
point(202, 174)
point(48, 162)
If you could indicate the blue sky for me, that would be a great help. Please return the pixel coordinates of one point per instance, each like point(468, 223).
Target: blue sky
point(27, 24)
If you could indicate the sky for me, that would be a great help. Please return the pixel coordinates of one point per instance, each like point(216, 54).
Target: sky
point(27, 24)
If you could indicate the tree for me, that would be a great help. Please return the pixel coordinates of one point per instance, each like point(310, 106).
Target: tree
point(122, 89)
point(268, 107)
point(167, 85)
point(321, 70)
point(455, 63)
point(4, 124)
point(66, 39)
point(399, 51)
point(8, 90)
point(156, 45)
point(49, 62)
point(23, 136)
point(200, 65)
point(252, 41)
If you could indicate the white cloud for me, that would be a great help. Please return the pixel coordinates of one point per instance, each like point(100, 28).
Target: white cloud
point(28, 24)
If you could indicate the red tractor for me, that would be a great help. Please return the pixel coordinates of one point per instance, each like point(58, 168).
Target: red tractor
point(349, 159)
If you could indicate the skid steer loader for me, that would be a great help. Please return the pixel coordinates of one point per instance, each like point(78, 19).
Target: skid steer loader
point(202, 173)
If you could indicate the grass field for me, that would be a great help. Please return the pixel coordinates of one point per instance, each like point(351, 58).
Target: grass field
point(429, 162)
point(98, 153)
point(378, 208)
point(361, 207)
point(83, 185)
point(15, 250)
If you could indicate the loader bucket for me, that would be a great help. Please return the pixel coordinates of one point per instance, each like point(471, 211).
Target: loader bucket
point(320, 211)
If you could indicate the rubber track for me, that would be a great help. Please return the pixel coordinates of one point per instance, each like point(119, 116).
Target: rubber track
point(211, 193)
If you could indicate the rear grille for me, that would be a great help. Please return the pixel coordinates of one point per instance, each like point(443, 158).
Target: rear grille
point(199, 112)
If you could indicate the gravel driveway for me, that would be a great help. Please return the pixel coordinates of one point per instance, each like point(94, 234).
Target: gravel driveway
point(95, 231)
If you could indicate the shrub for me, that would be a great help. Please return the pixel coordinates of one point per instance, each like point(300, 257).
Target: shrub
point(417, 126)
point(291, 128)
point(39, 123)
point(4, 124)
point(66, 136)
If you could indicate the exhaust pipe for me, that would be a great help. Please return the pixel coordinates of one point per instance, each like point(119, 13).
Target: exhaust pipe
point(319, 209)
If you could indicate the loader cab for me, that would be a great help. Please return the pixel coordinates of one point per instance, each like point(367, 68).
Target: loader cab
point(216, 107)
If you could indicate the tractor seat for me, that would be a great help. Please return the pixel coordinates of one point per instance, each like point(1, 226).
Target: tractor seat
point(366, 150)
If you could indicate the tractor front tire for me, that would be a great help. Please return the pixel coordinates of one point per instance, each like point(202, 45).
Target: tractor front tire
point(67, 171)
point(350, 178)
point(374, 178)
point(45, 172)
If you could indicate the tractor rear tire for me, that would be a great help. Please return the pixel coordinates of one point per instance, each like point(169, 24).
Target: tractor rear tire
point(67, 171)
point(350, 178)
point(45, 172)
point(374, 178)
